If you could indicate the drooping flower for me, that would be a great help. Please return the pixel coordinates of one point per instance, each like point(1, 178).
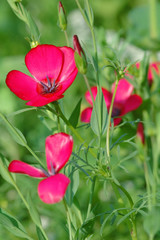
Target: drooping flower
point(140, 132)
point(155, 66)
point(54, 185)
point(53, 70)
point(124, 101)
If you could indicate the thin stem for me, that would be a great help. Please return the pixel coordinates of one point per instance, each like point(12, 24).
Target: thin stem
point(91, 198)
point(66, 36)
point(68, 219)
point(147, 184)
point(71, 128)
point(109, 121)
point(14, 130)
point(153, 24)
point(93, 101)
point(134, 231)
point(27, 206)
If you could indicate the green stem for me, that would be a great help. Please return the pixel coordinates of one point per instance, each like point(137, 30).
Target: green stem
point(109, 121)
point(134, 231)
point(27, 206)
point(153, 23)
point(66, 36)
point(20, 138)
point(68, 219)
point(146, 173)
point(93, 101)
point(91, 198)
point(71, 127)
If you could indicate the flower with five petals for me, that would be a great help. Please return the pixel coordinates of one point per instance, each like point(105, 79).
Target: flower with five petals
point(54, 185)
point(124, 101)
point(53, 70)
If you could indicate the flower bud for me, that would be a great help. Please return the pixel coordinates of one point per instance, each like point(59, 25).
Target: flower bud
point(79, 56)
point(140, 133)
point(62, 17)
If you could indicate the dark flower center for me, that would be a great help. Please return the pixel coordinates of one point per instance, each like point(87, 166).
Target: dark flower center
point(48, 87)
point(116, 112)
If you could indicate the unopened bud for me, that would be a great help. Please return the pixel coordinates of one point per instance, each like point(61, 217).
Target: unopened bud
point(79, 56)
point(62, 17)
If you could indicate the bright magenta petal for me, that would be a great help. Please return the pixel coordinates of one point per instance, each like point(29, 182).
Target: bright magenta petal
point(124, 90)
point(21, 85)
point(86, 115)
point(44, 61)
point(132, 103)
point(69, 65)
point(107, 97)
point(58, 150)
point(140, 132)
point(88, 96)
point(117, 121)
point(66, 83)
point(40, 101)
point(53, 189)
point(17, 166)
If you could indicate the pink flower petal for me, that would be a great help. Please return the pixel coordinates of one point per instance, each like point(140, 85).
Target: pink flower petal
point(88, 96)
point(58, 150)
point(117, 121)
point(66, 83)
point(153, 67)
point(17, 166)
point(132, 103)
point(52, 189)
point(140, 132)
point(107, 97)
point(86, 115)
point(21, 85)
point(39, 100)
point(124, 90)
point(69, 65)
point(44, 61)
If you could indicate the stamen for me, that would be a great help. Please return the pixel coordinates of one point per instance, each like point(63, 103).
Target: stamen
point(53, 86)
point(44, 85)
point(49, 82)
point(45, 172)
point(52, 169)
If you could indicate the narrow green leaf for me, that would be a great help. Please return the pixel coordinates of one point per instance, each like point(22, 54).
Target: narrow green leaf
point(19, 138)
point(40, 234)
point(75, 114)
point(125, 217)
point(33, 211)
point(152, 221)
point(4, 170)
point(94, 118)
point(12, 225)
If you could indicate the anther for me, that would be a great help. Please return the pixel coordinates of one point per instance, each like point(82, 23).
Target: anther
point(49, 82)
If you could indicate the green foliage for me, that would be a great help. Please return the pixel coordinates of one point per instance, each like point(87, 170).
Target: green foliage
point(12, 225)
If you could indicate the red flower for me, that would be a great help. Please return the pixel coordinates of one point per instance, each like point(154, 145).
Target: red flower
point(58, 150)
point(124, 101)
point(155, 66)
point(140, 132)
point(53, 69)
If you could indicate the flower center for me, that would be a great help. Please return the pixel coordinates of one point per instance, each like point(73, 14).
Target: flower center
point(47, 87)
point(116, 112)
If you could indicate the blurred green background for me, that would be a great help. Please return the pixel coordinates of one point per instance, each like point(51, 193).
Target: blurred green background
point(113, 18)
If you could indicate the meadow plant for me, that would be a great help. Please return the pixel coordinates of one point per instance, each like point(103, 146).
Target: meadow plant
point(107, 150)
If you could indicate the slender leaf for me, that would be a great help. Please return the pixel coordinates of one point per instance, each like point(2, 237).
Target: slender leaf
point(12, 225)
point(75, 114)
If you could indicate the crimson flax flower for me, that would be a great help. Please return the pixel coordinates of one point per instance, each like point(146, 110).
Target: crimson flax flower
point(124, 101)
point(54, 185)
point(53, 70)
point(154, 66)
